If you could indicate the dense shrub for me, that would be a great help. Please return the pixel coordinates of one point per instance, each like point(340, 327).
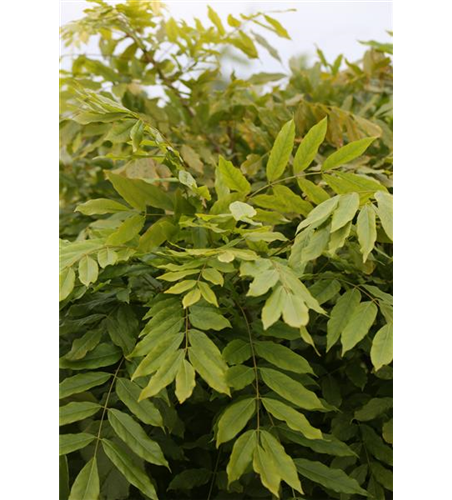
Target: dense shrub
point(226, 265)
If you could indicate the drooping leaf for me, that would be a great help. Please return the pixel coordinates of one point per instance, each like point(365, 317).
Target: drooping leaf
point(67, 281)
point(340, 315)
point(88, 270)
point(242, 455)
point(86, 485)
point(359, 325)
point(345, 211)
point(384, 211)
point(282, 462)
point(290, 389)
point(135, 437)
point(128, 469)
point(129, 393)
point(185, 381)
point(207, 361)
point(381, 351)
point(264, 466)
point(333, 479)
point(127, 230)
point(366, 229)
point(294, 419)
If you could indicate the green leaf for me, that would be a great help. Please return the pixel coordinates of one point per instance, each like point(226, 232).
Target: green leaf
point(207, 361)
point(347, 153)
point(189, 479)
point(313, 192)
point(82, 382)
point(328, 445)
point(107, 257)
point(295, 312)
point(63, 478)
point(263, 282)
point(340, 316)
point(373, 408)
point(346, 209)
point(161, 349)
point(130, 228)
point(291, 390)
point(207, 293)
point(135, 437)
point(264, 466)
point(123, 328)
point(207, 318)
point(338, 238)
point(281, 151)
point(88, 270)
point(237, 351)
point(234, 419)
point(333, 479)
point(282, 357)
point(136, 134)
point(277, 26)
point(215, 18)
point(381, 351)
point(233, 177)
point(384, 211)
point(129, 392)
point(212, 275)
point(387, 431)
point(154, 236)
point(80, 347)
point(105, 354)
point(239, 377)
point(164, 376)
point(309, 146)
point(273, 307)
point(185, 381)
point(139, 193)
point(382, 475)
point(320, 214)
point(241, 211)
point(282, 462)
point(294, 419)
point(345, 182)
point(86, 485)
point(73, 442)
point(191, 297)
point(182, 287)
point(67, 281)
point(241, 455)
point(128, 469)
point(75, 411)
point(358, 326)
point(366, 229)
point(101, 206)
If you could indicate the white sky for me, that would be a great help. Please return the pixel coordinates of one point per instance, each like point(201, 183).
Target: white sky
point(335, 26)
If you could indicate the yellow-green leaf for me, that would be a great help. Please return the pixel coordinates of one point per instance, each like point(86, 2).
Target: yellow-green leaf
point(233, 177)
point(309, 146)
point(340, 315)
point(241, 455)
point(191, 298)
point(88, 270)
point(366, 229)
point(384, 211)
point(359, 324)
point(101, 206)
point(281, 151)
point(234, 419)
point(86, 485)
point(130, 228)
point(67, 281)
point(128, 469)
point(73, 442)
point(185, 381)
point(347, 153)
point(381, 351)
point(346, 209)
